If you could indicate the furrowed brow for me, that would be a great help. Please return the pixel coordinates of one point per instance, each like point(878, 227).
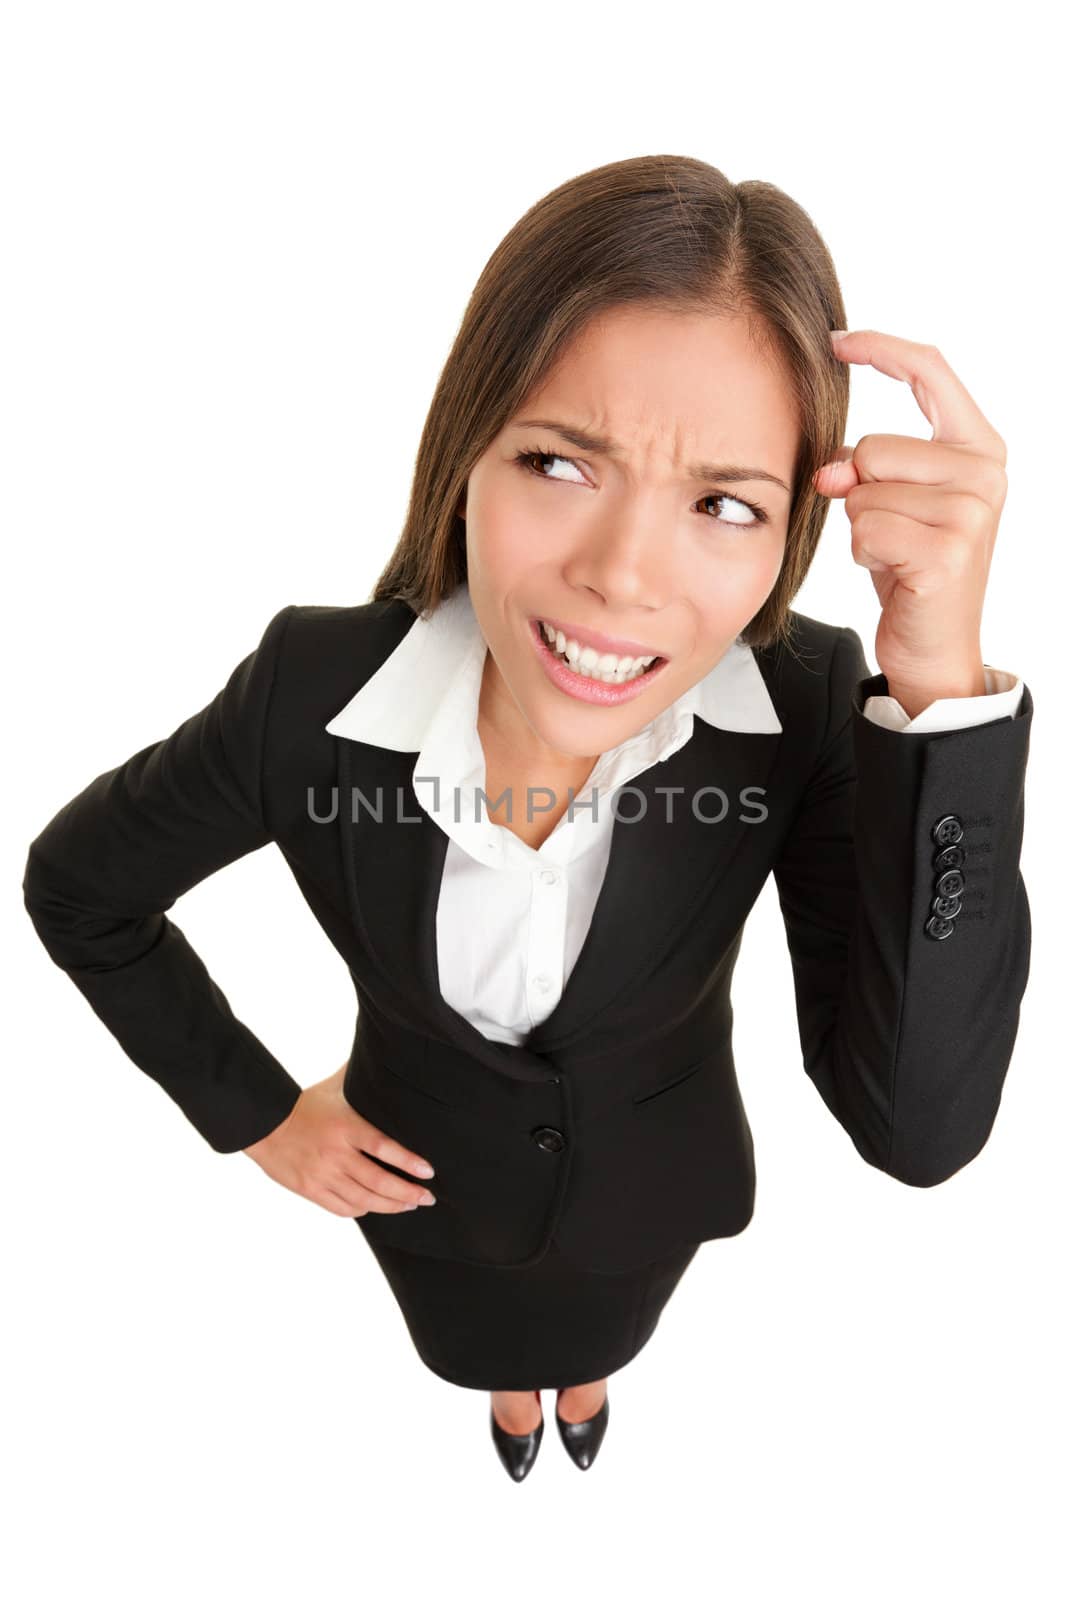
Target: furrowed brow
point(594, 444)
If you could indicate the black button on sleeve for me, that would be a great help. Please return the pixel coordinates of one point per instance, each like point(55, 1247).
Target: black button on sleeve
point(949, 830)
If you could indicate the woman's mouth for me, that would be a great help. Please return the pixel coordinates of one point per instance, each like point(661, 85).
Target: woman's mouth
point(587, 675)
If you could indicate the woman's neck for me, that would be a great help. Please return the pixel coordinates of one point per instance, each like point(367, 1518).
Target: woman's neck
point(500, 718)
point(513, 750)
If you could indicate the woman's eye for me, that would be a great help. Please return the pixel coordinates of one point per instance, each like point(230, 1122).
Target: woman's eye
point(751, 516)
point(529, 457)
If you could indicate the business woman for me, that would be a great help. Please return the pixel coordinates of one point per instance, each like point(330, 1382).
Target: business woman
point(532, 788)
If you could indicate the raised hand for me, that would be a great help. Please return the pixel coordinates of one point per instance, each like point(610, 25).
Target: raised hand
point(924, 516)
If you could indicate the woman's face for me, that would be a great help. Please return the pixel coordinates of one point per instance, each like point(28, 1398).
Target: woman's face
point(654, 540)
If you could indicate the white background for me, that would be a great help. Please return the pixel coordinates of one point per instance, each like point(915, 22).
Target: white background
point(238, 242)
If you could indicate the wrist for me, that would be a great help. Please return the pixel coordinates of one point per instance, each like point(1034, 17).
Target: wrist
point(915, 697)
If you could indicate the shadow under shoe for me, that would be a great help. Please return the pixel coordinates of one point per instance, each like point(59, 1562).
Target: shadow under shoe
point(518, 1451)
point(582, 1440)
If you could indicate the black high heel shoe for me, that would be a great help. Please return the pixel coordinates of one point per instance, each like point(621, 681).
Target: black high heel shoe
point(518, 1451)
point(582, 1440)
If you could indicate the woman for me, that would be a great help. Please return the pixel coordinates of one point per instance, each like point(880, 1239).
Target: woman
point(620, 486)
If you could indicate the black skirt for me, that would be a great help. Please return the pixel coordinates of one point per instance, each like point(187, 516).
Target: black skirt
point(541, 1327)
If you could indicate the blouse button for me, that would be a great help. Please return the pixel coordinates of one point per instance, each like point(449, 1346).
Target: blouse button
point(542, 983)
point(548, 876)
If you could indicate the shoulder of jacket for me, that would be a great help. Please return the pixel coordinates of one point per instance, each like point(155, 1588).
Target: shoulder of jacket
point(347, 636)
point(798, 673)
point(812, 636)
point(808, 651)
point(374, 619)
point(326, 653)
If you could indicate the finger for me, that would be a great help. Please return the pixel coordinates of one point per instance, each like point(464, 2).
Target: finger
point(900, 458)
point(944, 401)
point(361, 1169)
point(887, 541)
point(353, 1200)
point(925, 504)
point(367, 1137)
point(836, 476)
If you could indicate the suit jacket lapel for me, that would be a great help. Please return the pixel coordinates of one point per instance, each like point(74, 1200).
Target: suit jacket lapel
point(662, 867)
point(393, 873)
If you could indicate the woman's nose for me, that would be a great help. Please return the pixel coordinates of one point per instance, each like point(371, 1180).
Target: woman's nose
point(622, 557)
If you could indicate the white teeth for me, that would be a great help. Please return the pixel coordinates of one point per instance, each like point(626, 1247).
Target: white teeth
point(589, 663)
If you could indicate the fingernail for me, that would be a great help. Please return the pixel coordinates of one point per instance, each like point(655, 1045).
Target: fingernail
point(414, 1206)
point(428, 1200)
point(424, 1169)
point(838, 333)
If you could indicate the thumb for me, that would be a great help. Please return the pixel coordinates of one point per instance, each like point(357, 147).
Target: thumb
point(836, 476)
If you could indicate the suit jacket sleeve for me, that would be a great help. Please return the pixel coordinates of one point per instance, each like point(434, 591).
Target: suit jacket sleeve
point(102, 875)
point(906, 1036)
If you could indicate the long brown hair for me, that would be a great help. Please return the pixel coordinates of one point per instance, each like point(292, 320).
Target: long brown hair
point(667, 231)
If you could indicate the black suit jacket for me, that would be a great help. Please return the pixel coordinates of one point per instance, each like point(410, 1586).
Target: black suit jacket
point(907, 1019)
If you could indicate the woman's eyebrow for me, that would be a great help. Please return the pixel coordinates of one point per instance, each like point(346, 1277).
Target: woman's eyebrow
point(594, 444)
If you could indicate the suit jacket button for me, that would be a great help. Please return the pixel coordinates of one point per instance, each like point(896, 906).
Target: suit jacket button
point(950, 883)
point(946, 905)
point(939, 927)
point(953, 855)
point(948, 831)
point(549, 1139)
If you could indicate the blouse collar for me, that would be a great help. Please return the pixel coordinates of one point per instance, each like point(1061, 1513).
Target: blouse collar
point(399, 704)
